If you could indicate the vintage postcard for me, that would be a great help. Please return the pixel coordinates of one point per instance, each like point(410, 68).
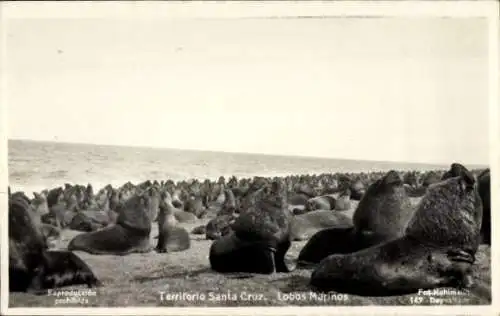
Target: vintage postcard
point(249, 157)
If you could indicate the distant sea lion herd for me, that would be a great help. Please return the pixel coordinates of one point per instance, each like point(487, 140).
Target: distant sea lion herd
point(388, 246)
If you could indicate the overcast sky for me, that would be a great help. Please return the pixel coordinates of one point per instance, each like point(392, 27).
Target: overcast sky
point(403, 89)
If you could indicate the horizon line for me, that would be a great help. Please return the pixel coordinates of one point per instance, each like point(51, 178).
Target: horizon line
point(474, 165)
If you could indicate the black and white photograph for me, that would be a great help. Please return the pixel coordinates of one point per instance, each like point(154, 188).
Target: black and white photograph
point(180, 155)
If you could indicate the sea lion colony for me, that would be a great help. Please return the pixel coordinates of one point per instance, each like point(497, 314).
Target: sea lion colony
point(388, 246)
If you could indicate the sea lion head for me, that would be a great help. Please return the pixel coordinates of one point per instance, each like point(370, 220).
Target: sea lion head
point(40, 204)
point(277, 194)
point(455, 170)
point(392, 178)
point(450, 214)
point(430, 178)
point(268, 218)
point(385, 208)
point(411, 178)
point(229, 206)
point(89, 191)
point(166, 198)
point(166, 211)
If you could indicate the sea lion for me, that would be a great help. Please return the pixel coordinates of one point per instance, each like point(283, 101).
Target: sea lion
point(484, 186)
point(298, 199)
point(385, 208)
point(199, 230)
point(180, 215)
point(411, 178)
point(297, 209)
point(415, 191)
point(221, 224)
point(32, 268)
point(430, 178)
point(343, 201)
point(381, 215)
point(50, 231)
point(66, 268)
point(54, 196)
point(171, 238)
point(40, 204)
point(437, 250)
point(58, 215)
point(357, 190)
point(130, 234)
point(306, 225)
point(88, 221)
point(455, 170)
point(154, 202)
point(194, 205)
point(323, 202)
point(176, 199)
point(260, 236)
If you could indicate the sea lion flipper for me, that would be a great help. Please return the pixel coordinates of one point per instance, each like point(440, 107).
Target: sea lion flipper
point(281, 264)
point(461, 255)
point(36, 284)
point(272, 259)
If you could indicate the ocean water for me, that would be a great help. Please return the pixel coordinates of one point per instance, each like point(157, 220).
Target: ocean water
point(34, 166)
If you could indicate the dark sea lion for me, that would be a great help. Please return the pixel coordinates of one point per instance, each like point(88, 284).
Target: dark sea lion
point(357, 190)
point(232, 254)
point(65, 268)
point(130, 234)
point(32, 268)
point(89, 191)
point(455, 170)
point(26, 247)
point(54, 196)
point(171, 238)
point(260, 236)
point(484, 186)
point(219, 226)
point(306, 225)
point(437, 250)
point(329, 241)
point(382, 214)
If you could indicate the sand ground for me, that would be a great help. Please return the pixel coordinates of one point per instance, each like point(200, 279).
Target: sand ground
point(140, 280)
